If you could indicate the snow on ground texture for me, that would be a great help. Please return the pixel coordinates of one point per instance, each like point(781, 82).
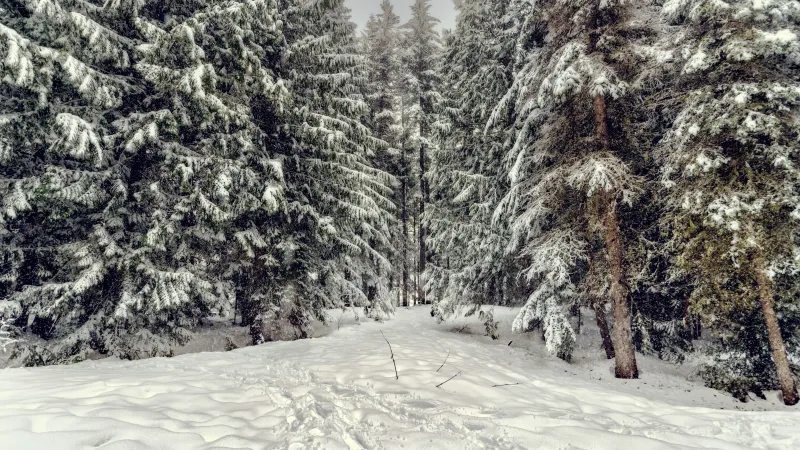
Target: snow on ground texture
point(340, 391)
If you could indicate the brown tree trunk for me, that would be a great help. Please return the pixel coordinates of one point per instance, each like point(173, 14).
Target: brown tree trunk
point(766, 296)
point(623, 338)
point(602, 324)
point(624, 352)
point(601, 123)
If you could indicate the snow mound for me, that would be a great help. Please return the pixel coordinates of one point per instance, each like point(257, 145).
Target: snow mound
point(340, 392)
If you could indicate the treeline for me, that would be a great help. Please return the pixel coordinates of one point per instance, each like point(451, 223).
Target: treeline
point(637, 156)
point(162, 162)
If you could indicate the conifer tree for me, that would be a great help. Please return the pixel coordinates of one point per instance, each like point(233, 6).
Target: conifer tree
point(381, 45)
point(339, 206)
point(730, 162)
point(422, 46)
point(67, 74)
point(570, 177)
point(467, 177)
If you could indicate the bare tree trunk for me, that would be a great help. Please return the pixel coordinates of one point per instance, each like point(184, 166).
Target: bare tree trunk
point(415, 264)
point(601, 123)
point(624, 352)
point(623, 338)
point(602, 324)
point(405, 241)
point(766, 296)
point(404, 201)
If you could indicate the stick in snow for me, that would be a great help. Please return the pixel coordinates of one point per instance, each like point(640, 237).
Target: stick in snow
point(509, 384)
point(445, 360)
point(396, 376)
point(445, 381)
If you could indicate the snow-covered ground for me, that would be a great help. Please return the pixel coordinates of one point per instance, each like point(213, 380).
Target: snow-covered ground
point(340, 391)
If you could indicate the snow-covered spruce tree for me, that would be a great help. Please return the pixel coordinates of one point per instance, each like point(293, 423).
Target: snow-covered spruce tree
point(66, 74)
point(570, 177)
point(186, 160)
point(421, 50)
point(200, 162)
point(730, 162)
point(468, 264)
point(338, 206)
point(380, 44)
point(236, 228)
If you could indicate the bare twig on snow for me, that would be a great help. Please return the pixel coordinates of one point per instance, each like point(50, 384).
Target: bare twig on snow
point(445, 361)
point(396, 375)
point(509, 384)
point(445, 381)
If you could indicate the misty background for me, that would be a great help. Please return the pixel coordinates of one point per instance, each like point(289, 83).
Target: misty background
point(441, 9)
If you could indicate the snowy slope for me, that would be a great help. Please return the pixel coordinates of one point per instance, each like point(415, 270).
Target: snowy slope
point(340, 391)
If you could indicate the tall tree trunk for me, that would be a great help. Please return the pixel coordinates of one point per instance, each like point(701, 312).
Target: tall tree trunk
point(766, 296)
point(404, 218)
point(414, 299)
point(602, 324)
point(404, 201)
point(624, 352)
point(423, 186)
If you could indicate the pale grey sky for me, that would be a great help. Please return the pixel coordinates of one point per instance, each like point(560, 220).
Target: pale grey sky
point(441, 9)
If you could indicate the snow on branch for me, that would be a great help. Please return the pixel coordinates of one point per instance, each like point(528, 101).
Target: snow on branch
point(8, 312)
point(554, 255)
point(604, 172)
point(78, 138)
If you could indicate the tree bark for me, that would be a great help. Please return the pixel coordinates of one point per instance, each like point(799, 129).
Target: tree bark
point(602, 324)
point(624, 352)
point(766, 296)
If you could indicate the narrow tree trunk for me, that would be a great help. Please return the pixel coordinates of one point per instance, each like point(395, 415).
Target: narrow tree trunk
point(423, 186)
point(624, 351)
point(414, 298)
point(404, 206)
point(404, 219)
point(766, 296)
point(235, 309)
point(602, 324)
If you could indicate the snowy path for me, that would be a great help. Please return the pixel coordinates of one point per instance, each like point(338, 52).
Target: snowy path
point(340, 391)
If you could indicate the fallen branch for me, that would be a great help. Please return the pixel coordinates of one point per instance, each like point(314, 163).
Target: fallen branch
point(396, 375)
point(509, 384)
point(462, 328)
point(445, 360)
point(445, 381)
